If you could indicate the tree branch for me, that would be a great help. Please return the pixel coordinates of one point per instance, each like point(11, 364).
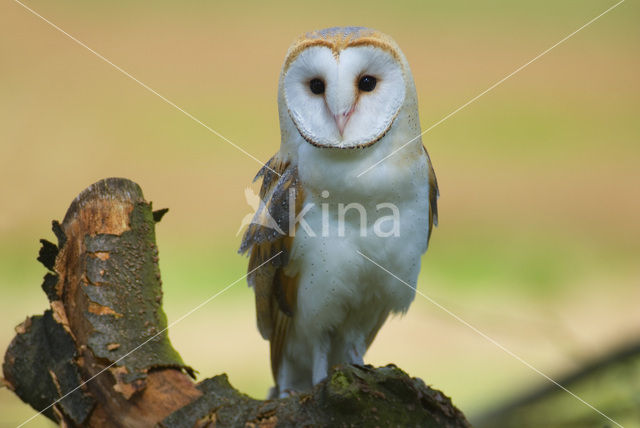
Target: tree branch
point(102, 355)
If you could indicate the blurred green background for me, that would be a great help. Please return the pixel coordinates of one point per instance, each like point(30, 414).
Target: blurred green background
point(539, 237)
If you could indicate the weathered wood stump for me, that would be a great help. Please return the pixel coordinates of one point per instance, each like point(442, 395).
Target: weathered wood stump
point(101, 356)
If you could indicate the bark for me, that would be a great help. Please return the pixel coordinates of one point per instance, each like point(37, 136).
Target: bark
point(101, 356)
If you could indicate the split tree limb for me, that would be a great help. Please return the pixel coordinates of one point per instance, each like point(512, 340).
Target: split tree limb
point(103, 346)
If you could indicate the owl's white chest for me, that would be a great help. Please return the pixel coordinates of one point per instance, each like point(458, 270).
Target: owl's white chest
point(382, 215)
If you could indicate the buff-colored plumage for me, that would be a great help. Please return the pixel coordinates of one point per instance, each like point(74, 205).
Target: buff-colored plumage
point(320, 302)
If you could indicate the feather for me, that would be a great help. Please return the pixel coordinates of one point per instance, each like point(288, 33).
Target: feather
point(434, 193)
point(268, 234)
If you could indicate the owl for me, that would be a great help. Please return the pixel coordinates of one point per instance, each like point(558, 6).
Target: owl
point(346, 100)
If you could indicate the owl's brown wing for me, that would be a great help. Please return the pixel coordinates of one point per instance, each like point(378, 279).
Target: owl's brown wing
point(267, 237)
point(434, 192)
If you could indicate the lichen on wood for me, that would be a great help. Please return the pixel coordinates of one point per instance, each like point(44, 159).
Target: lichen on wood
point(123, 283)
point(352, 396)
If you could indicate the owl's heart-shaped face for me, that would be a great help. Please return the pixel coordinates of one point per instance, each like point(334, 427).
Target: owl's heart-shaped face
point(345, 99)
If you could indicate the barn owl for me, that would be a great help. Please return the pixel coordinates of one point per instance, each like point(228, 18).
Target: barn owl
point(346, 100)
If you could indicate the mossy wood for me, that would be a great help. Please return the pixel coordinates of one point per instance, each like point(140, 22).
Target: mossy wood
point(101, 356)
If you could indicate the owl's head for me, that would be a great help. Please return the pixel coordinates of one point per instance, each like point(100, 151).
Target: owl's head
point(343, 87)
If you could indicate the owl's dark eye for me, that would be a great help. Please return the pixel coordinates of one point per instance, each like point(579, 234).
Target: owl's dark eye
point(317, 86)
point(367, 83)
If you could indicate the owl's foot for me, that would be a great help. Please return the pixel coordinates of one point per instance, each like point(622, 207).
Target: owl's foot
point(286, 393)
point(275, 393)
point(320, 367)
point(355, 356)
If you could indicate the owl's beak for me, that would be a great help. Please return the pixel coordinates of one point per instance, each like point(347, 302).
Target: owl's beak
point(342, 119)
